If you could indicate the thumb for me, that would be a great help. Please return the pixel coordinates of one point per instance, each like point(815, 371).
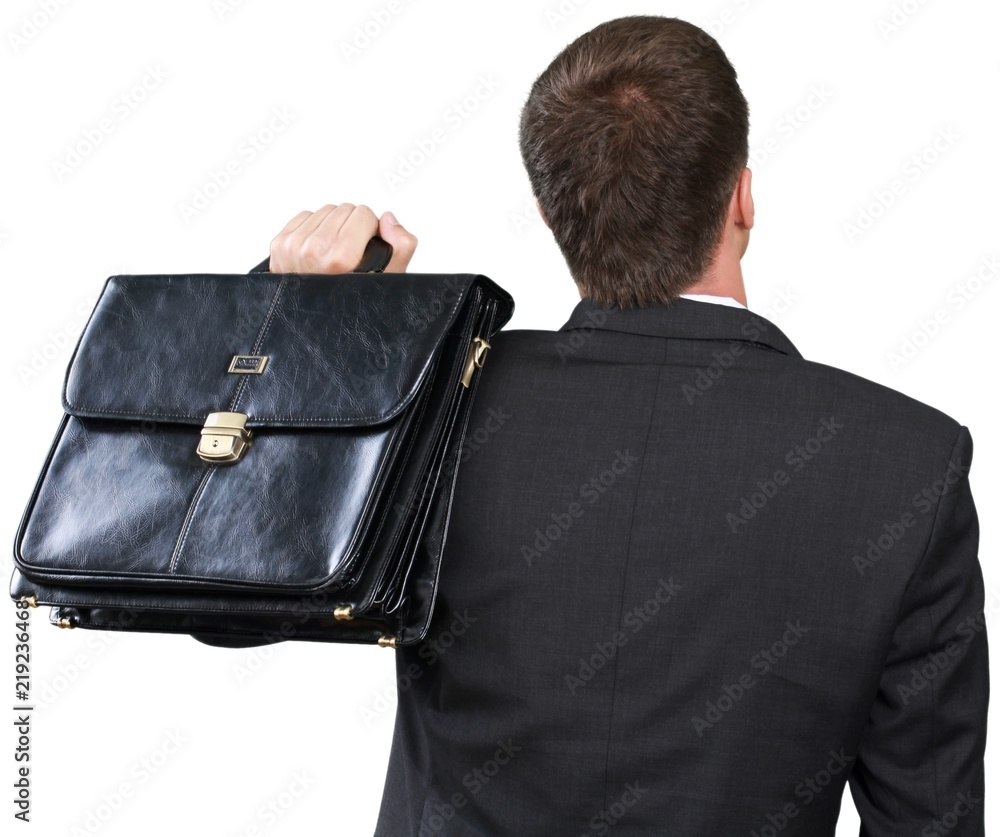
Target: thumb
point(403, 242)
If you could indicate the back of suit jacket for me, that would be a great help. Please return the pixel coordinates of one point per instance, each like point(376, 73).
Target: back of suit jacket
point(694, 585)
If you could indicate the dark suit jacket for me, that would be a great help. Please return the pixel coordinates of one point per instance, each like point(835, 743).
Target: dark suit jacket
point(694, 585)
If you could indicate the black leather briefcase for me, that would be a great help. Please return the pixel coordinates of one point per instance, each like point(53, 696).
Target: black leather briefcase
point(257, 458)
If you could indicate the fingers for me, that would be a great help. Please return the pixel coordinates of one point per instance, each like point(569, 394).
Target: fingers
point(315, 242)
point(333, 240)
point(360, 226)
point(404, 243)
point(281, 252)
point(320, 217)
point(295, 222)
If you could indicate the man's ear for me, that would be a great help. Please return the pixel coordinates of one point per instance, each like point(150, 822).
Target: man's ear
point(546, 220)
point(743, 200)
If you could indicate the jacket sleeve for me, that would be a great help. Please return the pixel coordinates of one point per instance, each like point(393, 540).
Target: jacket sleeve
point(919, 765)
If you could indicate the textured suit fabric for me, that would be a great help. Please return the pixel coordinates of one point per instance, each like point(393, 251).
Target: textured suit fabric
point(695, 585)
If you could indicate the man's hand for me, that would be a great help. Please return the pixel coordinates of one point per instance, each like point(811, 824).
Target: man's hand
point(333, 240)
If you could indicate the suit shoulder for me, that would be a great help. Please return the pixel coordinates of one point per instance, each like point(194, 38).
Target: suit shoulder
point(876, 399)
point(517, 347)
point(523, 337)
point(793, 385)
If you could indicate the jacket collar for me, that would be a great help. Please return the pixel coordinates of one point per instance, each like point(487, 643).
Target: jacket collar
point(686, 319)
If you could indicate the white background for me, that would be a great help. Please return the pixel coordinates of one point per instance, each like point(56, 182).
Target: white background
point(890, 82)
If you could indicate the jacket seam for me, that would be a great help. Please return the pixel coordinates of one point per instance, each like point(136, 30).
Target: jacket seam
point(914, 580)
point(930, 618)
point(628, 550)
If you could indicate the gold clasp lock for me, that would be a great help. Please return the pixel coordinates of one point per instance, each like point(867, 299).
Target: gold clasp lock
point(224, 438)
point(475, 359)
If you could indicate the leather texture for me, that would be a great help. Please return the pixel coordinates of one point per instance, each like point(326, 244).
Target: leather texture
point(343, 497)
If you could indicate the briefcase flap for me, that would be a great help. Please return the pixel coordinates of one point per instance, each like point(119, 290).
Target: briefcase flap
point(286, 350)
point(321, 368)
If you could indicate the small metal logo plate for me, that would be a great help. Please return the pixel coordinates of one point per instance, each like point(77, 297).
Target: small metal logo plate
point(248, 364)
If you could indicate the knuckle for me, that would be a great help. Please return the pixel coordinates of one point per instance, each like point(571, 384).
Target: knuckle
point(312, 250)
point(313, 246)
point(334, 259)
point(323, 258)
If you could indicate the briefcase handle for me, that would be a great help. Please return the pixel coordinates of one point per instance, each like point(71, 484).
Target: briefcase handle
point(375, 260)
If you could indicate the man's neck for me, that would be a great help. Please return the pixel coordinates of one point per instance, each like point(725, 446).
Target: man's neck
point(721, 282)
point(718, 300)
point(724, 276)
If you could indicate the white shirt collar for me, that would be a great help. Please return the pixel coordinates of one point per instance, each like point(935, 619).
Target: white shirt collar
point(718, 300)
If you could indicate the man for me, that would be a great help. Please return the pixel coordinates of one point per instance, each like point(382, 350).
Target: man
point(694, 583)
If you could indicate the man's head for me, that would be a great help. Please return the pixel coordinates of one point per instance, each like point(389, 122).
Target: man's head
point(635, 139)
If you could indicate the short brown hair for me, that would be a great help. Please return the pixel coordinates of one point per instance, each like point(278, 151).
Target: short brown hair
point(634, 138)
